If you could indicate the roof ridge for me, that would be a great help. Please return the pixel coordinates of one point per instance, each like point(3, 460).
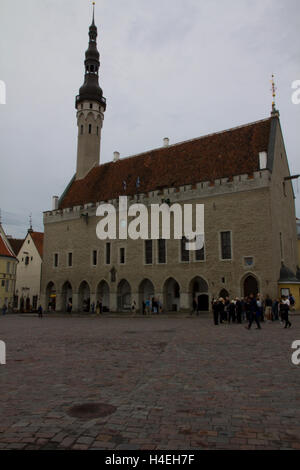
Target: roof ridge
point(189, 140)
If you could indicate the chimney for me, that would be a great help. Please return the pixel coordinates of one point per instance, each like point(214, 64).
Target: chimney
point(54, 203)
point(116, 156)
point(166, 142)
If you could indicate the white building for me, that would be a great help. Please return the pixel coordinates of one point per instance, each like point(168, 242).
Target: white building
point(28, 281)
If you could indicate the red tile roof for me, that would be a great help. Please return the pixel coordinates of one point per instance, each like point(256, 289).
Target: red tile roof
point(38, 238)
point(16, 244)
point(5, 249)
point(220, 155)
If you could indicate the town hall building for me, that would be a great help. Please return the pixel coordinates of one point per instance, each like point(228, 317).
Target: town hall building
point(242, 177)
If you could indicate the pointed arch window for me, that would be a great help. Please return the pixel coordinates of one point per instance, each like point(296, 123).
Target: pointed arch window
point(90, 128)
point(81, 129)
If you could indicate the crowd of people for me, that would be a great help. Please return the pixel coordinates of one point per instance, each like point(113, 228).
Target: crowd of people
point(253, 308)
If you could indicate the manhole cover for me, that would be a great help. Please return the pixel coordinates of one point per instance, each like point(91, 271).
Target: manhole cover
point(91, 410)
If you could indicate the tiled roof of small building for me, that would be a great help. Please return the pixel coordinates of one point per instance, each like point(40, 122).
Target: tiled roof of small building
point(16, 244)
point(38, 238)
point(5, 249)
point(220, 155)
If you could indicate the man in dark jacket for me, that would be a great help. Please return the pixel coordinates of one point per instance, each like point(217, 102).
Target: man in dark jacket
point(253, 313)
point(239, 310)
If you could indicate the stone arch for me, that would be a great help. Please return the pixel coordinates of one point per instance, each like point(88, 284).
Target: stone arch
point(84, 297)
point(146, 291)
point(224, 293)
point(250, 284)
point(102, 295)
point(124, 296)
point(50, 296)
point(171, 293)
point(67, 297)
point(198, 288)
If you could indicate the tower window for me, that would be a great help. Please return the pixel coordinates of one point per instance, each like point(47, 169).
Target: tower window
point(226, 251)
point(97, 130)
point(90, 128)
point(161, 251)
point(185, 254)
point(122, 255)
point(148, 251)
point(107, 253)
point(92, 68)
point(81, 129)
point(91, 105)
point(94, 256)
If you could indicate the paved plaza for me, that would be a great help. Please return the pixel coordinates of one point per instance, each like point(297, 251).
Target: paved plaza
point(173, 383)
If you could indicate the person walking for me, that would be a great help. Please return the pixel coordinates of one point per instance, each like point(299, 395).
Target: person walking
point(40, 311)
point(231, 312)
point(215, 308)
point(98, 308)
point(253, 313)
point(4, 309)
point(268, 308)
point(292, 301)
point(239, 310)
point(284, 310)
point(275, 309)
point(221, 308)
point(260, 310)
point(226, 309)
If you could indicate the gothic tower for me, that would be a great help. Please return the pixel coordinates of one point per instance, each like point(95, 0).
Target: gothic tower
point(90, 105)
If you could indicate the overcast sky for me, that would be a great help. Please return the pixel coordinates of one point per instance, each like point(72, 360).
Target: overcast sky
point(169, 68)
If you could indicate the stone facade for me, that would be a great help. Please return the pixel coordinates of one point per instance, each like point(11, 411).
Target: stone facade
point(250, 208)
point(239, 176)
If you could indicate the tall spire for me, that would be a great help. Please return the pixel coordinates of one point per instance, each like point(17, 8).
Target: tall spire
point(90, 89)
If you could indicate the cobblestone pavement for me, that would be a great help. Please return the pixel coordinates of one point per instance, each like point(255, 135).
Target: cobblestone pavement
point(176, 383)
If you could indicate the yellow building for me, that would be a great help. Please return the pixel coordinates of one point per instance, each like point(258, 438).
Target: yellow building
point(289, 284)
point(8, 268)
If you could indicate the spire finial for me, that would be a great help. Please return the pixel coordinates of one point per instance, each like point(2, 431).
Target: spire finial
point(93, 22)
point(30, 223)
point(273, 93)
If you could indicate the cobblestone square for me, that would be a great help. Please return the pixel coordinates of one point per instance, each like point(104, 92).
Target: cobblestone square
point(175, 383)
